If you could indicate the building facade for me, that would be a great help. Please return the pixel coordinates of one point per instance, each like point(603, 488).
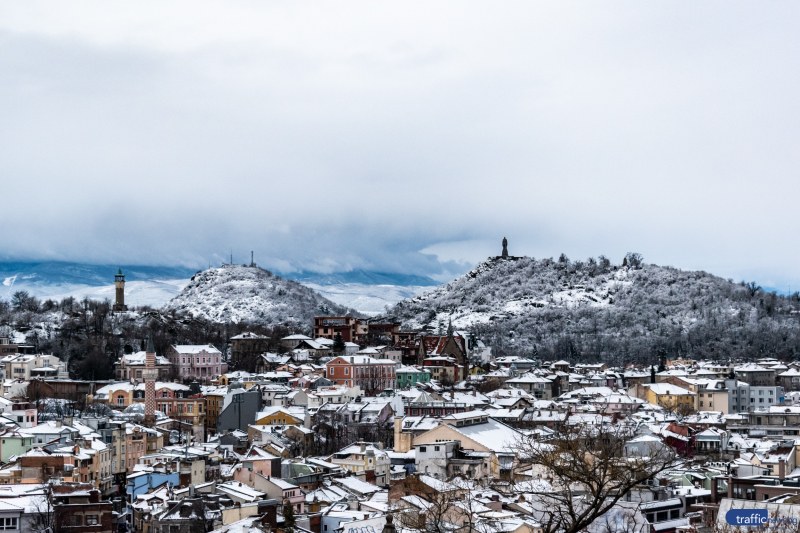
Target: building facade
point(196, 362)
point(371, 375)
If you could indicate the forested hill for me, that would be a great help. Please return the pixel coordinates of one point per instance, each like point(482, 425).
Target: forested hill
point(595, 311)
point(238, 294)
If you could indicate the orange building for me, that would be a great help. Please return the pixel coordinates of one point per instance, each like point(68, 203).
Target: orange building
point(372, 375)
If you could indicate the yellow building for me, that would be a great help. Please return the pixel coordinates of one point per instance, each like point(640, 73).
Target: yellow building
point(667, 395)
point(277, 415)
point(711, 394)
point(477, 432)
point(246, 379)
point(214, 402)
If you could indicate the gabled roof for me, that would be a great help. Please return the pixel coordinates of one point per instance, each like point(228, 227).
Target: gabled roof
point(257, 453)
point(296, 337)
point(356, 486)
point(436, 344)
point(491, 434)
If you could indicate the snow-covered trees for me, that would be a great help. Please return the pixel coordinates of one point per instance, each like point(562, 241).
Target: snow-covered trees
point(609, 313)
point(586, 473)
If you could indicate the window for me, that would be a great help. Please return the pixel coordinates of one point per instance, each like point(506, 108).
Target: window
point(346, 371)
point(120, 400)
point(92, 519)
point(8, 523)
point(422, 449)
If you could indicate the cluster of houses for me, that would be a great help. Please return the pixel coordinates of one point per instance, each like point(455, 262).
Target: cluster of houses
point(334, 434)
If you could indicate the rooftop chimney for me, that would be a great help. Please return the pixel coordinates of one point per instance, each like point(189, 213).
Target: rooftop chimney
point(186, 510)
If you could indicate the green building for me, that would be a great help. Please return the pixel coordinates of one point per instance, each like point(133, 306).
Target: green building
point(408, 376)
point(12, 442)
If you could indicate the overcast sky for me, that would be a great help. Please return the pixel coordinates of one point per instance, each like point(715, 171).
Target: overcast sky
point(406, 136)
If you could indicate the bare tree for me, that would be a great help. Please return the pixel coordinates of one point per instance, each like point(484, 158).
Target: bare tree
point(679, 410)
point(446, 507)
point(587, 473)
point(42, 517)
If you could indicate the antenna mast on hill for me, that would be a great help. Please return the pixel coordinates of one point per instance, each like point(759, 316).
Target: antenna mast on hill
point(252, 263)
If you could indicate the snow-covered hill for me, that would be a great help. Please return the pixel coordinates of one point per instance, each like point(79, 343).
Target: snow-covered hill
point(235, 293)
point(595, 310)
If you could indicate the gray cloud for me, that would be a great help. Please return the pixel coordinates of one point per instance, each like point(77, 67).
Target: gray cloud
point(354, 137)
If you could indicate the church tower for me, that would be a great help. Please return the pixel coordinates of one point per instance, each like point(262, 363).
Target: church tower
point(119, 284)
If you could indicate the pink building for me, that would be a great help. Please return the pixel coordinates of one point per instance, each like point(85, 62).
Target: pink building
point(202, 362)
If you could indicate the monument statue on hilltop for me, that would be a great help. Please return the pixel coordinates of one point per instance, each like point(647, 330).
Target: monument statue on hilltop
point(505, 248)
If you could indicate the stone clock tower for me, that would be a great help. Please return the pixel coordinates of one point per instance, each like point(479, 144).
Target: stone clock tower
point(119, 284)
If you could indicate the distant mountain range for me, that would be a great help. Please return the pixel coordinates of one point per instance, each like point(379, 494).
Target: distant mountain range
point(48, 273)
point(362, 277)
point(366, 291)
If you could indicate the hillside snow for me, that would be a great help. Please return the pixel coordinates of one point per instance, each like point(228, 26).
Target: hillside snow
point(235, 293)
point(598, 311)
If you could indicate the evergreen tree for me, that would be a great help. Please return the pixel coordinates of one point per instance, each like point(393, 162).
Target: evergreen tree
point(288, 516)
point(338, 344)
